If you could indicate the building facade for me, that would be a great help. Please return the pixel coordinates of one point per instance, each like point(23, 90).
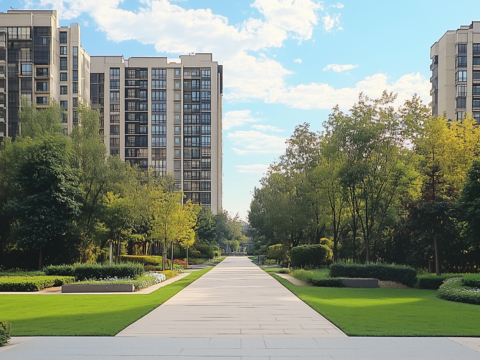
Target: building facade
point(159, 115)
point(166, 116)
point(456, 73)
point(40, 62)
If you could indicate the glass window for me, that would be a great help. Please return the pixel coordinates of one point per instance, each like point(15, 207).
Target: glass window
point(159, 73)
point(461, 90)
point(476, 49)
point(177, 72)
point(461, 61)
point(42, 71)
point(461, 48)
point(114, 96)
point(461, 103)
point(476, 116)
point(206, 83)
point(75, 75)
point(115, 84)
point(64, 105)
point(63, 76)
point(75, 62)
point(114, 129)
point(75, 102)
point(26, 68)
point(63, 37)
point(42, 86)
point(476, 60)
point(75, 88)
point(206, 73)
point(476, 90)
point(476, 103)
point(115, 73)
point(114, 119)
point(75, 51)
point(206, 96)
point(42, 100)
point(63, 90)
point(63, 50)
point(63, 63)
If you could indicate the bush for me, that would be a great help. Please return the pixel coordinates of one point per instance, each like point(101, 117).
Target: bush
point(33, 283)
point(96, 271)
point(402, 274)
point(23, 273)
point(431, 282)
point(145, 260)
point(328, 282)
point(5, 332)
point(310, 255)
point(452, 290)
point(169, 273)
point(205, 251)
point(471, 281)
point(284, 271)
point(317, 278)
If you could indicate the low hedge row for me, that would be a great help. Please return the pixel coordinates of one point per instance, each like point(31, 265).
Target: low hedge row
point(472, 281)
point(96, 271)
point(33, 283)
point(453, 290)
point(328, 282)
point(23, 273)
point(432, 282)
point(5, 332)
point(402, 274)
point(145, 260)
point(316, 279)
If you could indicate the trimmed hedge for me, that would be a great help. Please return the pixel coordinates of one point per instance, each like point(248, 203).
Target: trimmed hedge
point(5, 332)
point(23, 273)
point(309, 255)
point(452, 290)
point(316, 279)
point(96, 271)
point(328, 282)
point(472, 281)
point(431, 282)
point(33, 283)
point(145, 260)
point(169, 273)
point(402, 274)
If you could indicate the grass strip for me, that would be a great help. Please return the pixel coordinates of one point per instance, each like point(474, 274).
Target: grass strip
point(389, 312)
point(83, 315)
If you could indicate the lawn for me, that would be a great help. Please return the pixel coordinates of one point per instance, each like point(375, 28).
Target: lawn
point(82, 315)
point(389, 312)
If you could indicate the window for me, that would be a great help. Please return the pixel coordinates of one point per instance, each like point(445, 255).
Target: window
point(131, 129)
point(176, 141)
point(159, 84)
point(143, 95)
point(206, 106)
point(63, 76)
point(42, 86)
point(63, 63)
point(159, 107)
point(159, 95)
point(75, 62)
point(19, 33)
point(63, 50)
point(157, 119)
point(205, 186)
point(461, 90)
point(476, 90)
point(476, 103)
point(206, 83)
point(75, 88)
point(177, 85)
point(476, 60)
point(143, 130)
point(206, 175)
point(114, 96)
point(476, 75)
point(115, 107)
point(115, 85)
point(42, 100)
point(63, 37)
point(75, 75)
point(143, 84)
point(143, 106)
point(114, 119)
point(476, 49)
point(206, 96)
point(205, 198)
point(114, 142)
point(75, 51)
point(461, 48)
point(206, 130)
point(131, 94)
point(461, 61)
point(114, 73)
point(206, 118)
point(130, 141)
point(159, 73)
point(143, 74)
point(177, 72)
point(159, 130)
point(114, 129)
point(159, 141)
point(476, 116)
point(195, 96)
point(64, 105)
point(461, 103)
point(206, 163)
point(42, 71)
point(63, 90)
point(195, 84)
point(26, 68)
point(206, 73)
point(177, 130)
point(206, 141)
point(75, 102)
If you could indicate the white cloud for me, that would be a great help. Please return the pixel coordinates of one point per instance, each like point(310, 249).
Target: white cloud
point(252, 169)
point(267, 128)
point(330, 21)
point(338, 6)
point(255, 142)
point(298, 61)
point(237, 118)
point(339, 68)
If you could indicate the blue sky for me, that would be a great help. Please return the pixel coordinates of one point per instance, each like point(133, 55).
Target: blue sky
point(285, 61)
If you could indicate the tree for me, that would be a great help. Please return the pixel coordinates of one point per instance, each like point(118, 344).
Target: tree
point(206, 226)
point(48, 202)
point(36, 124)
point(186, 219)
point(469, 203)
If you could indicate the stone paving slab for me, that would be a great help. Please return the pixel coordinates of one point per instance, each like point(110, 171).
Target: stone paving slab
point(271, 348)
point(235, 299)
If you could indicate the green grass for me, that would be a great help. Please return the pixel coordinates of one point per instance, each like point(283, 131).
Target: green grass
point(389, 312)
point(82, 315)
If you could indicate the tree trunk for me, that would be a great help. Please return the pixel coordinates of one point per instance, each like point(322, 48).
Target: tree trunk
point(171, 260)
point(40, 259)
point(437, 262)
point(187, 256)
point(164, 254)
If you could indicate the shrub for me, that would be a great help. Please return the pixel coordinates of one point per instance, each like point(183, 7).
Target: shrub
point(169, 273)
point(33, 283)
point(471, 281)
point(141, 282)
point(452, 290)
point(145, 260)
point(23, 273)
point(5, 332)
point(402, 274)
point(317, 278)
point(284, 271)
point(205, 251)
point(96, 271)
point(310, 255)
point(328, 282)
point(431, 281)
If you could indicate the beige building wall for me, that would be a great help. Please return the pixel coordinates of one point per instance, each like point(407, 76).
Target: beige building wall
point(456, 73)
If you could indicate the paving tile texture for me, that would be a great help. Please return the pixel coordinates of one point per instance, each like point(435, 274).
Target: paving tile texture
point(235, 299)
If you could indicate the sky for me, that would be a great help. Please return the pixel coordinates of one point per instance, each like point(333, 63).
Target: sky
point(286, 62)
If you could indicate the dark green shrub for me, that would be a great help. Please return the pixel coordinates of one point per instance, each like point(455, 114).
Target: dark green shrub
point(23, 273)
point(5, 332)
point(145, 260)
point(310, 255)
point(453, 290)
point(328, 282)
point(431, 282)
point(33, 283)
point(205, 251)
point(471, 281)
point(96, 271)
point(402, 274)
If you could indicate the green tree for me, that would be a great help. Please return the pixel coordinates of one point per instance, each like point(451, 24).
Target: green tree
point(469, 204)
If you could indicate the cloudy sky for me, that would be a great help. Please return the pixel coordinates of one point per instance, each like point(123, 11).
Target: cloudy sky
point(285, 61)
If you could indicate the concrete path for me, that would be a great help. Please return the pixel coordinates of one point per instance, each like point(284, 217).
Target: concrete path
point(235, 299)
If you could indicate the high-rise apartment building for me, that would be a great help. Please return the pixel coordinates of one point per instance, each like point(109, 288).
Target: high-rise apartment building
point(166, 116)
point(160, 115)
point(456, 73)
point(39, 62)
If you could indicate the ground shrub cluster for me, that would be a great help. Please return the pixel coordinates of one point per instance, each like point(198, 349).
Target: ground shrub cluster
point(5, 332)
point(33, 283)
point(139, 283)
point(96, 271)
point(145, 260)
point(399, 273)
point(317, 278)
point(455, 290)
point(310, 255)
point(431, 281)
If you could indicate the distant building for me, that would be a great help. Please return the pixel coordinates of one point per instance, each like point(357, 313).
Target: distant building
point(456, 73)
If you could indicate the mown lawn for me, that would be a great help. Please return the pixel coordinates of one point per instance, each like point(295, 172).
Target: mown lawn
point(390, 312)
point(82, 315)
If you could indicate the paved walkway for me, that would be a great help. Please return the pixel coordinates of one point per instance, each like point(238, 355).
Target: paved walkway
point(236, 312)
point(235, 299)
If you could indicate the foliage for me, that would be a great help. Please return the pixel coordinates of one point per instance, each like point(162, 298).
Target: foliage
point(453, 290)
point(96, 271)
point(317, 278)
point(310, 255)
point(33, 283)
point(145, 260)
point(5, 332)
point(402, 274)
point(22, 273)
point(205, 251)
point(432, 282)
point(471, 281)
point(169, 274)
point(470, 203)
point(139, 283)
